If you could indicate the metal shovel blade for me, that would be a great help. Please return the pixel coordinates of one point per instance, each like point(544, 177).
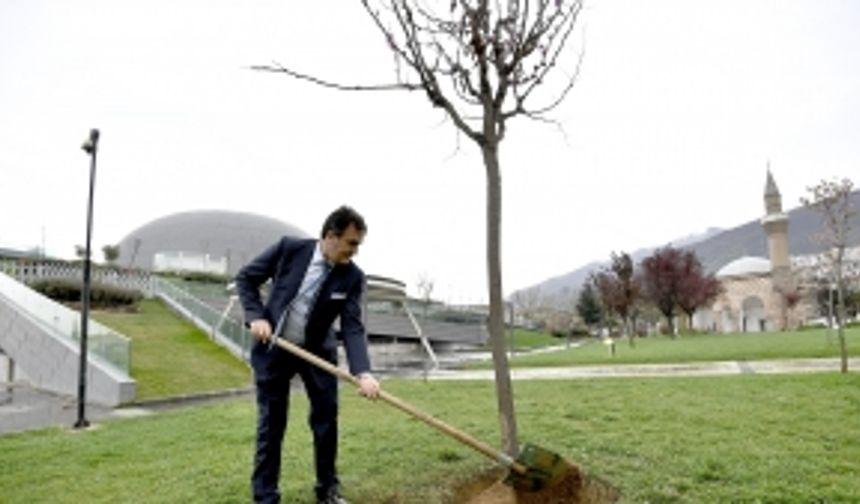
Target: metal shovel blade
point(543, 469)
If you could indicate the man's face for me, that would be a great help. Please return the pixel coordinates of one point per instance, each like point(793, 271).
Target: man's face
point(340, 249)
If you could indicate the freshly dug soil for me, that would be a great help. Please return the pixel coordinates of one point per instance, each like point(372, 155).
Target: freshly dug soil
point(575, 488)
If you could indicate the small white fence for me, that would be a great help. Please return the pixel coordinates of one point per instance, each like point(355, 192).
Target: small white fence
point(29, 271)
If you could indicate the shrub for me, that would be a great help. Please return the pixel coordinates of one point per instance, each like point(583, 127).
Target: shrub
point(103, 296)
point(197, 276)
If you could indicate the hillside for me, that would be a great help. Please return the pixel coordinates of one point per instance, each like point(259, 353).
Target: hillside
point(717, 248)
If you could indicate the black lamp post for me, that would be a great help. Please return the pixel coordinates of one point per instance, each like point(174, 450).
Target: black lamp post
point(91, 148)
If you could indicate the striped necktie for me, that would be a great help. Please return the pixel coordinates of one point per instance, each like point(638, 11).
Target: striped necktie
point(299, 310)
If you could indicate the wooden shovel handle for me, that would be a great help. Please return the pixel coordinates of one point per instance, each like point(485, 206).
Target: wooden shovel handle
point(455, 433)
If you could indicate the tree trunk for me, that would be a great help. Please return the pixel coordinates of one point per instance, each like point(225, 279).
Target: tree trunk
point(840, 315)
point(504, 390)
point(629, 330)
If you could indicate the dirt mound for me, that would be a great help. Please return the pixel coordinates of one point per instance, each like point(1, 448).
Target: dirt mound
point(575, 488)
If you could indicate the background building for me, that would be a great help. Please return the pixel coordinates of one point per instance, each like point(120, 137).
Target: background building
point(215, 241)
point(759, 294)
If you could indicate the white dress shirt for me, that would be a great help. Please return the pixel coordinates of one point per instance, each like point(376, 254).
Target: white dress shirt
point(300, 308)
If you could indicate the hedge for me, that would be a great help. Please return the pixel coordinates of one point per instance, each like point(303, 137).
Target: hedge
point(67, 291)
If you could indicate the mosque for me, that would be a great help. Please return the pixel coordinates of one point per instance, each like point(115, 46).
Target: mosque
point(759, 294)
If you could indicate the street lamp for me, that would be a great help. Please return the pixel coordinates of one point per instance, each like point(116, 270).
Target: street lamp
point(90, 146)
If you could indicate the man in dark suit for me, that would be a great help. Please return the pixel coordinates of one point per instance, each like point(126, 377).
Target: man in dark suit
point(313, 283)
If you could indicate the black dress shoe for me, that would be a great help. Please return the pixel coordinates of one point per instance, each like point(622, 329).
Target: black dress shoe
point(333, 498)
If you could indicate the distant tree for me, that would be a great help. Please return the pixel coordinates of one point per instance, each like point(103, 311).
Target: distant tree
point(852, 302)
point(825, 300)
point(588, 306)
point(662, 274)
point(832, 200)
point(134, 250)
point(695, 289)
point(619, 289)
point(791, 298)
point(530, 304)
point(111, 253)
point(559, 322)
point(606, 288)
point(425, 288)
point(828, 301)
point(80, 251)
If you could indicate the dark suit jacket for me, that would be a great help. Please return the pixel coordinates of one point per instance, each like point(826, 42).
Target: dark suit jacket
point(285, 263)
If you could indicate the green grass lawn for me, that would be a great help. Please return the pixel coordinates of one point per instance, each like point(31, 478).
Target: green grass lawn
point(525, 339)
point(787, 439)
point(697, 348)
point(172, 357)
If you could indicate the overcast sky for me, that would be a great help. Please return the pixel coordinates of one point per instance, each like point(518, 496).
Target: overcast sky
point(678, 108)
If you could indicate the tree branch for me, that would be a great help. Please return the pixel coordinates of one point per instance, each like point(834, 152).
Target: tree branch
point(278, 68)
point(567, 88)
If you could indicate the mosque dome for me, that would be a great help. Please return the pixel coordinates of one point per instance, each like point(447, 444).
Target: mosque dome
point(228, 237)
point(747, 265)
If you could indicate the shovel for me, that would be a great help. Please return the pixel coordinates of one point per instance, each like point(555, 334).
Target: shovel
point(534, 468)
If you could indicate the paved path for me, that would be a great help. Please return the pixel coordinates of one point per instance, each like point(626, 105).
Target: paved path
point(651, 370)
point(24, 408)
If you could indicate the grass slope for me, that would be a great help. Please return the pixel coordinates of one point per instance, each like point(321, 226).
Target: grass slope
point(525, 339)
point(698, 348)
point(668, 440)
point(172, 357)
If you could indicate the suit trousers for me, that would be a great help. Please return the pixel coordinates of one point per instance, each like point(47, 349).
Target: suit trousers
point(273, 400)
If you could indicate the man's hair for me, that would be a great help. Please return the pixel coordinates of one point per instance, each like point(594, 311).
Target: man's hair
point(341, 219)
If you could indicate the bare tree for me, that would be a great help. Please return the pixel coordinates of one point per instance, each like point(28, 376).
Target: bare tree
point(481, 62)
point(528, 303)
point(425, 288)
point(832, 200)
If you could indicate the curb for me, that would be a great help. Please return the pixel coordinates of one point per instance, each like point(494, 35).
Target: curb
point(189, 399)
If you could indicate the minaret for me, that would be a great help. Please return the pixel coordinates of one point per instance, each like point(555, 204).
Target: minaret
point(775, 224)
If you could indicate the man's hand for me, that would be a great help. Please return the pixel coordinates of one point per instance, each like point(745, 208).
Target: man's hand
point(368, 386)
point(261, 329)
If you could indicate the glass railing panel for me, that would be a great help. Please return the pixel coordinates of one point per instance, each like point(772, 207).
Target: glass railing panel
point(66, 323)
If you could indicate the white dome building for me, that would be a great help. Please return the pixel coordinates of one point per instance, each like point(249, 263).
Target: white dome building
point(757, 290)
point(216, 241)
point(748, 292)
point(742, 266)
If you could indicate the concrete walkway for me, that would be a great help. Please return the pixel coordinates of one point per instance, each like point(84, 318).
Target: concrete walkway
point(721, 368)
point(23, 408)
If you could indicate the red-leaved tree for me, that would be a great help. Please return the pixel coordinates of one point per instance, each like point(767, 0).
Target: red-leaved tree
point(661, 281)
point(695, 289)
point(619, 289)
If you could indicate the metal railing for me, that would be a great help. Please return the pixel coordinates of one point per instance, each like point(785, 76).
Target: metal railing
point(216, 323)
point(110, 346)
